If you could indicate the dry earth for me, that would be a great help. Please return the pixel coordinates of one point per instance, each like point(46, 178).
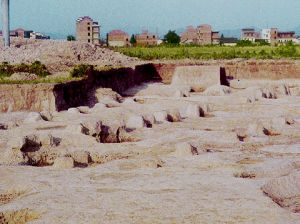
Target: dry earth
point(162, 154)
point(61, 55)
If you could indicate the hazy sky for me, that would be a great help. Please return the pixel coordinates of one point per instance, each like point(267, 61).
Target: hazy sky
point(58, 16)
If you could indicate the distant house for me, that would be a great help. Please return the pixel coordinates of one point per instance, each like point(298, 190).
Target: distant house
point(118, 38)
point(266, 35)
point(202, 35)
point(215, 38)
point(27, 34)
point(229, 41)
point(38, 36)
point(250, 34)
point(87, 30)
point(16, 33)
point(284, 37)
point(146, 39)
point(189, 36)
point(273, 36)
point(297, 40)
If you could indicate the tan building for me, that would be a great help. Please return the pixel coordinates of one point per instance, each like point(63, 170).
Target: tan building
point(189, 36)
point(87, 30)
point(202, 35)
point(146, 39)
point(250, 34)
point(277, 37)
point(216, 39)
point(118, 38)
point(284, 37)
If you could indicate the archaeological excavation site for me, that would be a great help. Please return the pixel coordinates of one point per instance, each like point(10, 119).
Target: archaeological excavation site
point(157, 141)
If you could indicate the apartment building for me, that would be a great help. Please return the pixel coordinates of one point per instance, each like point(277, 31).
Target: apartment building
point(284, 37)
point(118, 38)
point(146, 39)
point(189, 36)
point(250, 34)
point(273, 36)
point(202, 35)
point(87, 30)
point(266, 35)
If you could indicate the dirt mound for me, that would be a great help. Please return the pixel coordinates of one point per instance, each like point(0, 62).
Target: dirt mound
point(58, 55)
point(285, 191)
point(22, 76)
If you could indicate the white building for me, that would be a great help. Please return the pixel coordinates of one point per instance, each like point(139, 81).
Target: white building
point(36, 35)
point(266, 35)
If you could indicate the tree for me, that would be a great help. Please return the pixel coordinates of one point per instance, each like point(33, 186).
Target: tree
point(171, 37)
point(71, 38)
point(132, 40)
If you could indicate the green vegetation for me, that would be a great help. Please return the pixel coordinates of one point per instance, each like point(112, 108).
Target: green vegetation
point(6, 70)
point(37, 81)
point(256, 51)
point(172, 38)
point(80, 71)
point(71, 38)
point(133, 40)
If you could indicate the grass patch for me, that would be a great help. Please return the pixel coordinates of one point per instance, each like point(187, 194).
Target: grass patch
point(37, 81)
point(289, 51)
point(6, 70)
point(81, 71)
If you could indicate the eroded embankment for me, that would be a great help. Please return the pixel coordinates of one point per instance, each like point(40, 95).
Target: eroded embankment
point(52, 97)
point(240, 69)
point(57, 97)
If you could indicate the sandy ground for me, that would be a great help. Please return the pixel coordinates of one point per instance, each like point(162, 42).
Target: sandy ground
point(202, 158)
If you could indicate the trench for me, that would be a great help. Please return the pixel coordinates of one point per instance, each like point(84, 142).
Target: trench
point(58, 97)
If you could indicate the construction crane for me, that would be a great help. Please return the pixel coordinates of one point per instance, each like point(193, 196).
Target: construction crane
point(5, 23)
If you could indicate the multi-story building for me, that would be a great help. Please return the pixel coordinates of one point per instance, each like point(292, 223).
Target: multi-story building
point(250, 34)
point(284, 37)
point(118, 38)
point(146, 38)
point(202, 35)
point(273, 36)
point(189, 36)
point(266, 35)
point(87, 30)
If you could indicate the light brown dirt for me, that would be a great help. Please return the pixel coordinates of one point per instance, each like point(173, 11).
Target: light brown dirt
point(145, 159)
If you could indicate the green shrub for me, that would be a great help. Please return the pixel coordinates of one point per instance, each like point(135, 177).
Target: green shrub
point(39, 69)
point(36, 68)
point(71, 38)
point(81, 70)
point(244, 43)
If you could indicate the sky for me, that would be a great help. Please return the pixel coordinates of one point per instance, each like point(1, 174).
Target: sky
point(57, 17)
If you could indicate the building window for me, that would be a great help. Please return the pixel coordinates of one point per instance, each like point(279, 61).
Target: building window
point(88, 23)
point(89, 40)
point(89, 28)
point(153, 36)
point(147, 37)
point(89, 34)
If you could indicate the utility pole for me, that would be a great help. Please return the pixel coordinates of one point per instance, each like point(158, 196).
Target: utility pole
point(5, 23)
